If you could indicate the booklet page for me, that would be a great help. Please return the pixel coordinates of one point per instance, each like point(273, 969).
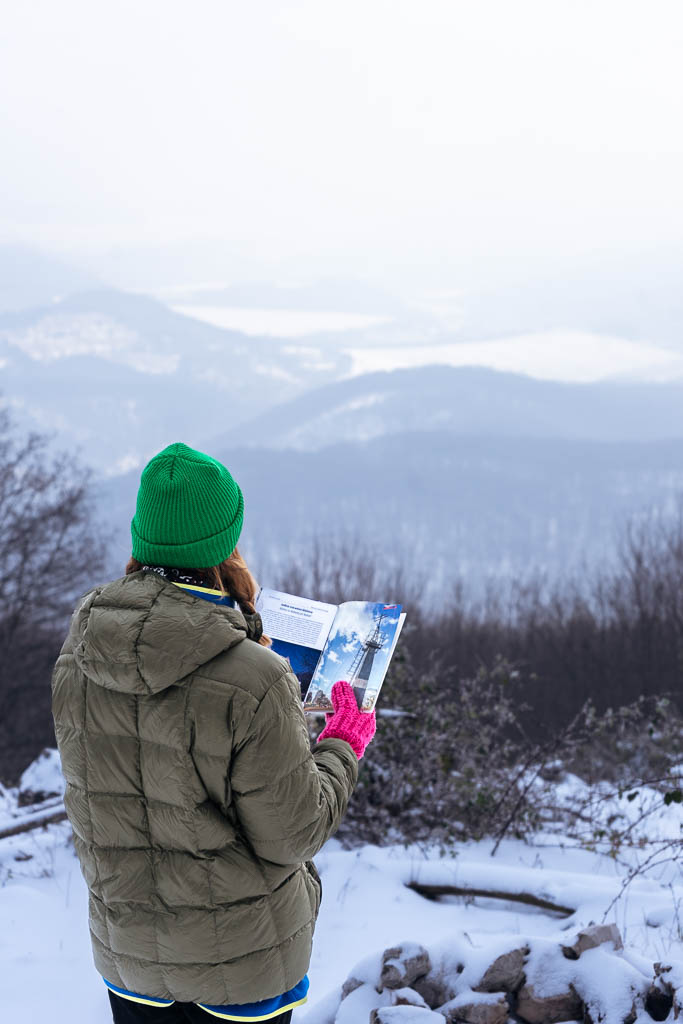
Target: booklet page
point(359, 648)
point(298, 628)
point(295, 619)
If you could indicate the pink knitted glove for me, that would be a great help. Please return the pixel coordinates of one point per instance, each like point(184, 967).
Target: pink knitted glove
point(347, 722)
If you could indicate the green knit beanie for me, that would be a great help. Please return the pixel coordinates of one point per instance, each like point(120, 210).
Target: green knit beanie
point(189, 510)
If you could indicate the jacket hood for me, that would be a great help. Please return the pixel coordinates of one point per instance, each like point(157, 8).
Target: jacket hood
point(141, 634)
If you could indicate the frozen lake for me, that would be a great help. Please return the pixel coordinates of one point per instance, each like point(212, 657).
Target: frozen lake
point(568, 355)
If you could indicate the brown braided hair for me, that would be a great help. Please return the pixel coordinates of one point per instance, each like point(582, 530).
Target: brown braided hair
point(232, 577)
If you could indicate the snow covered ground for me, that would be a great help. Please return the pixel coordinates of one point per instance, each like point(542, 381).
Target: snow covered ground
point(367, 906)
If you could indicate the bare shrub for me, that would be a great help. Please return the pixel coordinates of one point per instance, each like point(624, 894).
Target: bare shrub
point(346, 568)
point(452, 760)
point(49, 552)
point(487, 705)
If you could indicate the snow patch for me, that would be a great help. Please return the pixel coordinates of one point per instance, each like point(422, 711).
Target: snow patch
point(43, 778)
point(58, 335)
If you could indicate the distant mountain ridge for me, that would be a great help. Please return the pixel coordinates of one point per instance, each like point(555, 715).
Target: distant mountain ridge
point(634, 295)
point(29, 277)
point(461, 470)
point(117, 373)
point(453, 506)
point(468, 401)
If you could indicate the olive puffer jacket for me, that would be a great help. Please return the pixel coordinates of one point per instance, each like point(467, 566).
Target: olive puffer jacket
point(195, 799)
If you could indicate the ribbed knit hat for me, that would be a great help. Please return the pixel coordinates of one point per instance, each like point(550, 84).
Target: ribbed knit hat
point(189, 510)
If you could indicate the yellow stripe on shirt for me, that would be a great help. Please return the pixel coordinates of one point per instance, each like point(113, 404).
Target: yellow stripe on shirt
point(266, 1016)
point(205, 590)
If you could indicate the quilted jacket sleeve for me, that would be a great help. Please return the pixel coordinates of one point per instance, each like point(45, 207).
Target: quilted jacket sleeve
point(289, 800)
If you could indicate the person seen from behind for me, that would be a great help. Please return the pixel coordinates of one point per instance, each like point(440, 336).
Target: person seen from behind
point(196, 802)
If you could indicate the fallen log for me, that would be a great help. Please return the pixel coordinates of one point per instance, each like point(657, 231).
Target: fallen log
point(45, 805)
point(434, 892)
point(49, 817)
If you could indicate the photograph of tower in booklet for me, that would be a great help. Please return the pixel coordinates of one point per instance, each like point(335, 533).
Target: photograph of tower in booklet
point(326, 642)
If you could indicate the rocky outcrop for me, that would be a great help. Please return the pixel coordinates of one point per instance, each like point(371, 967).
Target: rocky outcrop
point(591, 937)
point(485, 1011)
point(349, 986)
point(404, 1015)
point(434, 990)
point(404, 964)
point(540, 981)
point(506, 973)
point(552, 1009)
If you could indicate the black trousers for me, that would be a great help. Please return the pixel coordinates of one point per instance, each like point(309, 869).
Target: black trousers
point(125, 1011)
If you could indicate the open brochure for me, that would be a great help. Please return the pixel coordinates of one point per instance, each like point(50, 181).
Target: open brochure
point(326, 642)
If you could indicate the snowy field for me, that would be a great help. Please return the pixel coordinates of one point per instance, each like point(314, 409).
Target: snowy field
point(367, 907)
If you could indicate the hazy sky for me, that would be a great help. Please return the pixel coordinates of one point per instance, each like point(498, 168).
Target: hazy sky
point(366, 137)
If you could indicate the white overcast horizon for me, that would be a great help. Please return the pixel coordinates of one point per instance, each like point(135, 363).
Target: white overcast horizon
point(426, 144)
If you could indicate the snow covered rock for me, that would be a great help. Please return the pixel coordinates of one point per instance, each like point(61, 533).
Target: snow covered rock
point(591, 937)
point(365, 972)
point(358, 1006)
point(407, 997)
point(433, 989)
point(532, 979)
point(349, 986)
point(548, 1009)
point(405, 1015)
point(506, 973)
point(444, 979)
point(477, 1008)
point(404, 964)
point(42, 779)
